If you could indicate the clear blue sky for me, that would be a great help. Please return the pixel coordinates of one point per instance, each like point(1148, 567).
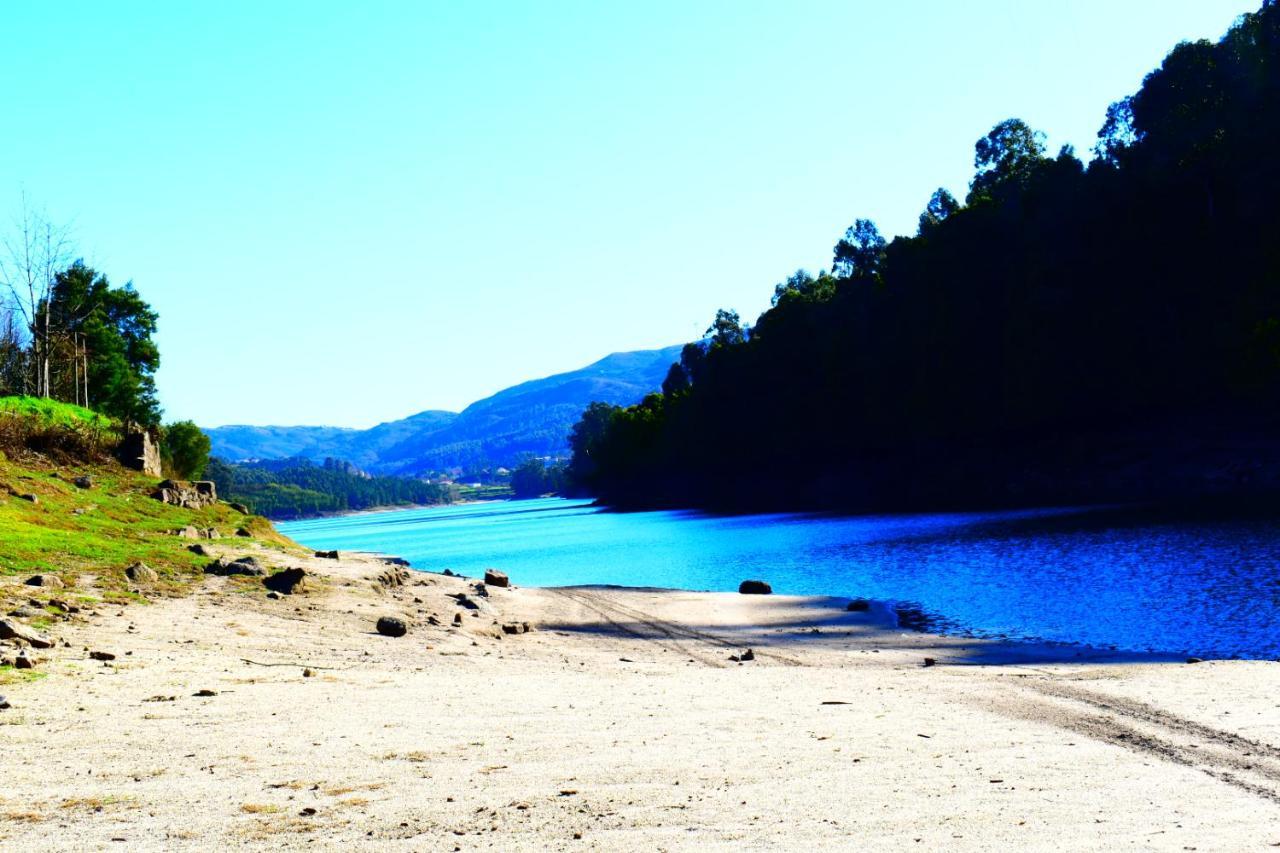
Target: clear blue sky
point(347, 213)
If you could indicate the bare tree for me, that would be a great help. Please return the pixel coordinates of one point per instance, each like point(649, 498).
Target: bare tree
point(30, 258)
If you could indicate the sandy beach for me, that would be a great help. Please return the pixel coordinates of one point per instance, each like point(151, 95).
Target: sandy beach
point(618, 721)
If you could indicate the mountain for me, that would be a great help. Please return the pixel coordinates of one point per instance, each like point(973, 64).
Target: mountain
point(530, 418)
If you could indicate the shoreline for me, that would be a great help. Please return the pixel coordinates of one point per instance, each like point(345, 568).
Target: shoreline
point(591, 718)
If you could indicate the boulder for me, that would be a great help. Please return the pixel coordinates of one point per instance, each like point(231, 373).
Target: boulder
point(754, 587)
point(198, 549)
point(23, 662)
point(457, 619)
point(13, 630)
point(243, 566)
point(240, 508)
point(243, 533)
point(392, 626)
point(858, 605)
point(141, 573)
point(46, 581)
point(140, 453)
point(188, 532)
point(286, 581)
point(515, 627)
point(189, 495)
point(493, 577)
point(84, 481)
point(396, 561)
point(28, 498)
point(327, 555)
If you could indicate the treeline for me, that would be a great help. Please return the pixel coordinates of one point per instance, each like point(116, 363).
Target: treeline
point(298, 488)
point(67, 334)
point(533, 477)
point(997, 353)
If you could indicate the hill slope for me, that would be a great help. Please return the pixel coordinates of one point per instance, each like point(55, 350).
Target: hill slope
point(530, 418)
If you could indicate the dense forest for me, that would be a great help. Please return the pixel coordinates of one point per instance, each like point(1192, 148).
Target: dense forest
point(297, 488)
point(1068, 331)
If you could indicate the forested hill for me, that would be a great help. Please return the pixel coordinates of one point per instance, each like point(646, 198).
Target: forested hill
point(1071, 330)
point(532, 418)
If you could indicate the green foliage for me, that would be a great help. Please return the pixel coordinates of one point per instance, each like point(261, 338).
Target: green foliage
point(533, 477)
point(184, 449)
point(115, 326)
point(48, 426)
point(297, 488)
point(1064, 302)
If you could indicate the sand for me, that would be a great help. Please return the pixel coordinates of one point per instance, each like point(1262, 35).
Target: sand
point(618, 723)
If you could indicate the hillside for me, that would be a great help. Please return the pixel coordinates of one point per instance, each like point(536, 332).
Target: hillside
point(530, 418)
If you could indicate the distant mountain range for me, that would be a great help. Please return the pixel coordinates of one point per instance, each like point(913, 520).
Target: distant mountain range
point(531, 418)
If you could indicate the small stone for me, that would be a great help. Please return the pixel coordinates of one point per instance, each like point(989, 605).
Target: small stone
point(754, 587)
point(457, 619)
point(84, 481)
point(29, 498)
point(307, 812)
point(47, 581)
point(4, 703)
point(206, 692)
point(240, 508)
point(392, 626)
point(103, 656)
point(141, 573)
point(747, 655)
point(198, 549)
point(327, 555)
point(1195, 660)
point(13, 630)
point(308, 672)
point(23, 662)
point(493, 577)
point(859, 605)
point(274, 596)
point(930, 661)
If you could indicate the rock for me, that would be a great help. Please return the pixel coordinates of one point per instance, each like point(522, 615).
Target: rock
point(12, 630)
point(23, 662)
point(199, 550)
point(46, 581)
point(1195, 660)
point(206, 692)
point(286, 581)
point(29, 498)
point(930, 661)
point(103, 656)
point(25, 613)
point(754, 587)
point(308, 672)
point(140, 453)
point(448, 573)
point(4, 703)
point(859, 605)
point(188, 532)
point(240, 531)
point(327, 555)
point(190, 495)
point(747, 655)
point(514, 628)
point(141, 573)
point(464, 600)
point(274, 596)
point(457, 619)
point(396, 561)
point(392, 626)
point(84, 481)
point(240, 508)
point(210, 533)
point(242, 566)
point(64, 606)
point(432, 620)
point(493, 577)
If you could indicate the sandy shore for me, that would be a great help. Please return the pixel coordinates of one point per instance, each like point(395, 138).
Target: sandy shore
point(618, 723)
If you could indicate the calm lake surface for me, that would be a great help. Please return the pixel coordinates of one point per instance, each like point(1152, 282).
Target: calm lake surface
point(1106, 578)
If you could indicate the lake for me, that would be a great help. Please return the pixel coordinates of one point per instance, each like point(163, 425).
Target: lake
point(1109, 578)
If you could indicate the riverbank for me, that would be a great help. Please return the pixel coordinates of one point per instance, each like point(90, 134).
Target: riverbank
point(619, 721)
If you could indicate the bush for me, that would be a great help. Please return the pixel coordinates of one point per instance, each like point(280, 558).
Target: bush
point(184, 450)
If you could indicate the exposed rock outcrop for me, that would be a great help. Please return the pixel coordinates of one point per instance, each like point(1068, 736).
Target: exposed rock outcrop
point(14, 630)
point(286, 581)
point(493, 577)
point(190, 495)
point(141, 573)
point(140, 453)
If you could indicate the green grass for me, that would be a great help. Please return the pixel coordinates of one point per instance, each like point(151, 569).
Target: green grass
point(104, 529)
point(484, 493)
point(51, 412)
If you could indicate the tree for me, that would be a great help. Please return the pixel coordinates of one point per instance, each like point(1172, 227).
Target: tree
point(29, 262)
point(113, 327)
point(726, 330)
point(942, 204)
point(860, 252)
point(1007, 155)
point(184, 449)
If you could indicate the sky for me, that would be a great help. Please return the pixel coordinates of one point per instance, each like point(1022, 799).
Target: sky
point(346, 213)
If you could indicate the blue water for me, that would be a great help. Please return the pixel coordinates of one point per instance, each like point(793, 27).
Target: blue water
point(1103, 578)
